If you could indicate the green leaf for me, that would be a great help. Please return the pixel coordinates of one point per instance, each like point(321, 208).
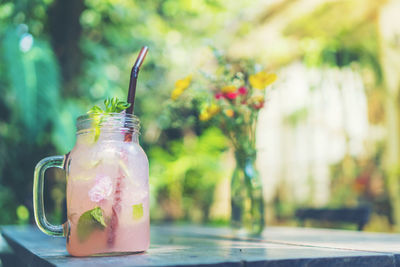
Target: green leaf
point(137, 211)
point(107, 103)
point(111, 105)
point(97, 214)
point(95, 110)
point(90, 221)
point(96, 133)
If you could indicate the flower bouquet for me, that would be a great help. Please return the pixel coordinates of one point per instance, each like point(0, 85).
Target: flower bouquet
point(231, 99)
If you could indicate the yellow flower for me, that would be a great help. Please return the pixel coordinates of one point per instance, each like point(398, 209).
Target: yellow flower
point(176, 93)
point(262, 79)
point(229, 112)
point(180, 87)
point(209, 112)
point(183, 83)
point(204, 116)
point(228, 89)
point(213, 109)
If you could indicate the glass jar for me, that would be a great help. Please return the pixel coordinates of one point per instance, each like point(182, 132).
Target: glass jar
point(247, 201)
point(107, 188)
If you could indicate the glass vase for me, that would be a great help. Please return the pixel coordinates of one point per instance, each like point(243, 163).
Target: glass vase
point(246, 195)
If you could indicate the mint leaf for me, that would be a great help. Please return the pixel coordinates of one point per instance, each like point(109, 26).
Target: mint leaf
point(96, 133)
point(137, 211)
point(112, 105)
point(90, 221)
point(95, 110)
point(97, 214)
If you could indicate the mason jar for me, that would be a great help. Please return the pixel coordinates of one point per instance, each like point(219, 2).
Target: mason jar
point(107, 195)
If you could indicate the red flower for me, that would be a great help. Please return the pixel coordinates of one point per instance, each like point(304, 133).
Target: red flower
point(219, 95)
point(231, 95)
point(242, 90)
point(258, 105)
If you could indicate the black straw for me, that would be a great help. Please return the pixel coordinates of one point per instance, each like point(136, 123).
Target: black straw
point(134, 76)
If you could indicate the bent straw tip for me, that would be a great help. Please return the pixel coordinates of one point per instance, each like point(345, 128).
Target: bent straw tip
point(141, 57)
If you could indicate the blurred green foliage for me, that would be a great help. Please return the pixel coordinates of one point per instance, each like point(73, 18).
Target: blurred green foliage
point(183, 182)
point(32, 72)
point(30, 89)
point(58, 58)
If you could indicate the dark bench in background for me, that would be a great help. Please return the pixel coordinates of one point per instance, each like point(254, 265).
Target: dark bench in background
point(357, 215)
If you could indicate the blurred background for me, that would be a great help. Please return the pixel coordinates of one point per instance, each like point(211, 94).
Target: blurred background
point(329, 135)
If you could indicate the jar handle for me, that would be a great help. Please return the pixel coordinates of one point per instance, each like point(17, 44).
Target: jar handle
point(38, 204)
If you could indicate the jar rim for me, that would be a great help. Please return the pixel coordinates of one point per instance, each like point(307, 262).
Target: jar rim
point(111, 114)
point(113, 121)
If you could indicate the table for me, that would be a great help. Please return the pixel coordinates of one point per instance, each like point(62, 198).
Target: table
point(189, 245)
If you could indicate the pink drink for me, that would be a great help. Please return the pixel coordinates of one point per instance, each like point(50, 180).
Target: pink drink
point(107, 190)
